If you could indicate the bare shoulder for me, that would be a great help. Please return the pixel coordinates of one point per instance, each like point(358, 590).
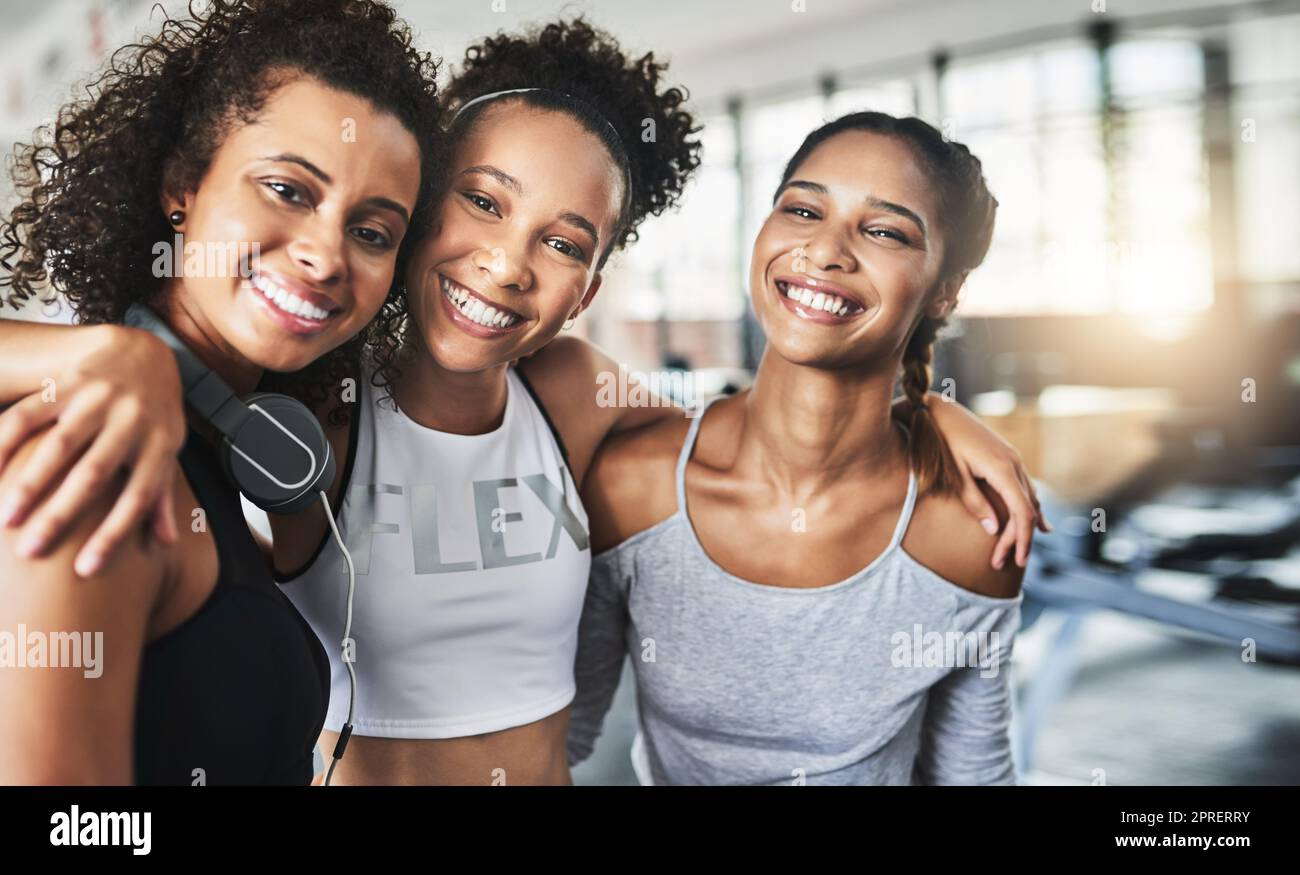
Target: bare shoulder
point(945, 538)
point(567, 353)
point(566, 374)
point(631, 483)
point(78, 714)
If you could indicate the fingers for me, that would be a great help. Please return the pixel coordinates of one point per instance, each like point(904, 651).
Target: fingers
point(18, 423)
point(977, 505)
point(1006, 543)
point(53, 451)
point(90, 475)
point(1043, 524)
point(1025, 533)
point(132, 510)
point(1019, 531)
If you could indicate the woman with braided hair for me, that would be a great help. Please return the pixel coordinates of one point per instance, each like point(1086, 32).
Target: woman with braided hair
point(803, 595)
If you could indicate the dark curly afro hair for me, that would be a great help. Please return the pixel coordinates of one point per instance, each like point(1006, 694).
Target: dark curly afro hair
point(89, 216)
point(656, 143)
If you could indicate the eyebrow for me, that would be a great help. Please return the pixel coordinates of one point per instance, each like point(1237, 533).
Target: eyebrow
point(382, 203)
point(568, 216)
point(496, 173)
point(581, 222)
point(887, 206)
point(290, 158)
point(389, 204)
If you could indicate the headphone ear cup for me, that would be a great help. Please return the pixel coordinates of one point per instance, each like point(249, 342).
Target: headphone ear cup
point(279, 458)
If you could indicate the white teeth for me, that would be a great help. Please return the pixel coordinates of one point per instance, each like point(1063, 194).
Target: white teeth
point(818, 301)
point(283, 300)
point(457, 295)
point(474, 309)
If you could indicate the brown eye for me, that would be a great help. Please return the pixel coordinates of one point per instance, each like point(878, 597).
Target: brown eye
point(289, 192)
point(887, 233)
point(481, 202)
point(377, 238)
point(564, 247)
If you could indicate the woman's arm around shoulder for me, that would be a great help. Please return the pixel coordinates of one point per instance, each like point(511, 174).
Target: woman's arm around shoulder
point(631, 484)
point(72, 724)
point(107, 396)
point(590, 397)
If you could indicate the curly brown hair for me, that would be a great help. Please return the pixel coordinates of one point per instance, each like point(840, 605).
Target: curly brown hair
point(155, 115)
point(656, 142)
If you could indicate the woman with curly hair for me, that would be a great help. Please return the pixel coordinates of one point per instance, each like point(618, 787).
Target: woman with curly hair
point(193, 666)
point(458, 491)
point(458, 495)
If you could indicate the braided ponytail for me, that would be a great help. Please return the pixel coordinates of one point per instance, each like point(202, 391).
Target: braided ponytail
point(936, 469)
point(967, 212)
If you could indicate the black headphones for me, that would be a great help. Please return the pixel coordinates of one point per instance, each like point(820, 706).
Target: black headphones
point(272, 447)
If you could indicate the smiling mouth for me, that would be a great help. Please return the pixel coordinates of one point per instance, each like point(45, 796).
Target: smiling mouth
point(287, 302)
point(832, 305)
point(476, 309)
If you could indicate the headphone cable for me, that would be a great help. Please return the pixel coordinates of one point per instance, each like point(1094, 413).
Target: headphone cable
point(342, 743)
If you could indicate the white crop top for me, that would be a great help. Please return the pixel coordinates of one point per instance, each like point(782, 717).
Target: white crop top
point(471, 555)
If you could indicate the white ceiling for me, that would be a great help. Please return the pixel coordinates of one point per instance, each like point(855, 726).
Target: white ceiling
point(690, 33)
point(716, 47)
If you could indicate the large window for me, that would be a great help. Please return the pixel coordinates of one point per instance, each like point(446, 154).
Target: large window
point(1101, 167)
point(684, 266)
point(1265, 75)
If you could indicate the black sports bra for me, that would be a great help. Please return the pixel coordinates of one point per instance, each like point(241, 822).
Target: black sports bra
point(237, 693)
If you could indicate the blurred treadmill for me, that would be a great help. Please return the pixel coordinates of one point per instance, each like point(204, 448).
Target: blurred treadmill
point(1204, 541)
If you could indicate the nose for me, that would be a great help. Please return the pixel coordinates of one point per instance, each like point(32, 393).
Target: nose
point(829, 249)
point(318, 249)
point(505, 265)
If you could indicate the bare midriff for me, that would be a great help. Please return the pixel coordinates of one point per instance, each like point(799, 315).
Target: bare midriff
point(532, 754)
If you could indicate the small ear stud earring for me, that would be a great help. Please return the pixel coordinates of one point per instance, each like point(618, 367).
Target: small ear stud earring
point(176, 217)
